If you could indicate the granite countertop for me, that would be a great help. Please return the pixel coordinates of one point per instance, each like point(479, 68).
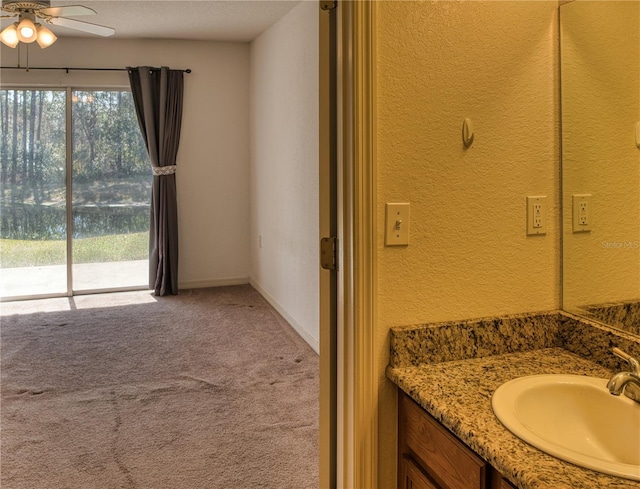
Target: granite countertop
point(458, 394)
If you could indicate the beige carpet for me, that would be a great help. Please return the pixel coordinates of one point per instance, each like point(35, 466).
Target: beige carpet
point(207, 389)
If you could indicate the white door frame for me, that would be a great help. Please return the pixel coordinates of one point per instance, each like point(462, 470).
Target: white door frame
point(328, 228)
point(356, 367)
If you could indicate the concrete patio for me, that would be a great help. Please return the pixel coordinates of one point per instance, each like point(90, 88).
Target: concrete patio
point(50, 280)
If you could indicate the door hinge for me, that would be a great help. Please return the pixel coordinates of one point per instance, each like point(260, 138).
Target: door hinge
point(327, 5)
point(329, 253)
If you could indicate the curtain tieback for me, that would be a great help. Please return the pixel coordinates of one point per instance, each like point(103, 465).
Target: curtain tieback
point(164, 170)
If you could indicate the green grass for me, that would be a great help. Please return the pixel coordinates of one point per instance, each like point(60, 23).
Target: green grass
point(117, 247)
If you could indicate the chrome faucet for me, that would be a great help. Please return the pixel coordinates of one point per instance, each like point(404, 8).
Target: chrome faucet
point(627, 382)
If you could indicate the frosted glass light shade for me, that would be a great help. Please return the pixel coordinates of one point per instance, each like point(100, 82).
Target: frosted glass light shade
point(45, 37)
point(27, 31)
point(9, 36)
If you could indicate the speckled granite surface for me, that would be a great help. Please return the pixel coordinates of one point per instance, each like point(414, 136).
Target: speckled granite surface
point(452, 370)
point(441, 342)
point(623, 315)
point(594, 341)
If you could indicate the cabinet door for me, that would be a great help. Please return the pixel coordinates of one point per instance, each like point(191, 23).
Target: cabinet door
point(507, 485)
point(414, 478)
point(445, 458)
point(499, 482)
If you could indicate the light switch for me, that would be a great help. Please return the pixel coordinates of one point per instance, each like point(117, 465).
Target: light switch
point(582, 210)
point(397, 224)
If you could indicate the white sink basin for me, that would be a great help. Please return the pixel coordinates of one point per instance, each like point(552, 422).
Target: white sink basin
point(574, 418)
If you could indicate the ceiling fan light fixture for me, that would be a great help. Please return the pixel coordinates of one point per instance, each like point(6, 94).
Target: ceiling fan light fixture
point(45, 37)
point(9, 36)
point(28, 13)
point(27, 31)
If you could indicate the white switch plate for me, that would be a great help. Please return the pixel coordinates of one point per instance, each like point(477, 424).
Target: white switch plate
point(582, 212)
point(397, 224)
point(536, 215)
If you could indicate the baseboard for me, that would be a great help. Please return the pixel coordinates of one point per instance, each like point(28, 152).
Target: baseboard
point(221, 282)
point(310, 340)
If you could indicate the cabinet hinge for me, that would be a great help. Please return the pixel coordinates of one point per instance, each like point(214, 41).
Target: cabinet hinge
point(329, 253)
point(327, 5)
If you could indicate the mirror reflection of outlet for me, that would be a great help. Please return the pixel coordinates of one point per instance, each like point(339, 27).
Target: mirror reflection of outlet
point(582, 212)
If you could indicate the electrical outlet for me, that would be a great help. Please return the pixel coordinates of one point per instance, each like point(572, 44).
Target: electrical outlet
point(583, 219)
point(582, 210)
point(536, 215)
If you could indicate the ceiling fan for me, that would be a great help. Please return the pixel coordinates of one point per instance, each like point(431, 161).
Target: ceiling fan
point(28, 30)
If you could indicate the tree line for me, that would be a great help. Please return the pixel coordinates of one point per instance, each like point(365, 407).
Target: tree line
point(105, 137)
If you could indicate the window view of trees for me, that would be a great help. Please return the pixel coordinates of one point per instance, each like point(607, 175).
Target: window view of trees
point(111, 170)
point(111, 178)
point(33, 144)
point(32, 175)
point(106, 138)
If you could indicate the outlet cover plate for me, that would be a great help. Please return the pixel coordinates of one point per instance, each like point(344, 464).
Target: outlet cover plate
point(536, 215)
point(582, 213)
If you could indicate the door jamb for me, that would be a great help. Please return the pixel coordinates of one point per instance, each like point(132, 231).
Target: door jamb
point(357, 437)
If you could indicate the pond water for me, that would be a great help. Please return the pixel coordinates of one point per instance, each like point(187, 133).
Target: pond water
point(48, 222)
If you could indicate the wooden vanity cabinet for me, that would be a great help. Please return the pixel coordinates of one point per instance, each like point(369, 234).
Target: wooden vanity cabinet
point(431, 457)
point(505, 484)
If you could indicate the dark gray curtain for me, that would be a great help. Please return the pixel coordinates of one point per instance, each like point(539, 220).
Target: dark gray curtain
point(158, 94)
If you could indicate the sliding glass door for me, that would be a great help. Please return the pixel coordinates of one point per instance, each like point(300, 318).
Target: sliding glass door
point(75, 191)
point(111, 193)
point(33, 215)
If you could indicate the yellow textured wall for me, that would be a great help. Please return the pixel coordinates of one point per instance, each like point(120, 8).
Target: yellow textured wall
point(438, 63)
point(600, 108)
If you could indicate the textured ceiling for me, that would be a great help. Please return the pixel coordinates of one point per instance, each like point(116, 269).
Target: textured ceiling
point(211, 20)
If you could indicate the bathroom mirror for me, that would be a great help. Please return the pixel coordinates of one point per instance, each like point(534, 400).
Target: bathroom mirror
point(600, 112)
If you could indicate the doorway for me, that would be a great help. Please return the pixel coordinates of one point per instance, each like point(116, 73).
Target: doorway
point(74, 201)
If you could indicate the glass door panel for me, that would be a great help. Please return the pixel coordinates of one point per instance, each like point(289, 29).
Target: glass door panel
point(111, 193)
point(33, 216)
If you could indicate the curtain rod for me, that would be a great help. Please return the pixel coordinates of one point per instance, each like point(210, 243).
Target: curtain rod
point(188, 70)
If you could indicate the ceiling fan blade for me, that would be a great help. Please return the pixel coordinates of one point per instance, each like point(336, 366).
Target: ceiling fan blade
point(79, 25)
point(71, 10)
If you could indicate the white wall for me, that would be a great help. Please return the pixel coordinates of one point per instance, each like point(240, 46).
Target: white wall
point(469, 255)
point(284, 168)
point(213, 160)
